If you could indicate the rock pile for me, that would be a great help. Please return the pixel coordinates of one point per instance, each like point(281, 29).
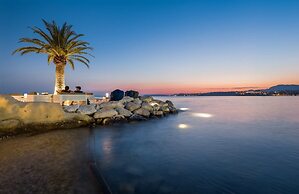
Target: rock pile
point(20, 117)
point(126, 109)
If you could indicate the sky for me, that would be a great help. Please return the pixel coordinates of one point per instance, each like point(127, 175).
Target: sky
point(158, 46)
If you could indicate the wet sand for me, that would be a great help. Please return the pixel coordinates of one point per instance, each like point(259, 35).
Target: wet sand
point(53, 162)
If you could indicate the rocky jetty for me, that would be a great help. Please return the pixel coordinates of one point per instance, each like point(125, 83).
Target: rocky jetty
point(124, 110)
point(19, 117)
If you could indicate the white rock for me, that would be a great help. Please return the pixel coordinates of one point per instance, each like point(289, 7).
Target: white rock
point(107, 121)
point(159, 102)
point(71, 108)
point(119, 118)
point(136, 117)
point(105, 113)
point(147, 106)
point(156, 107)
point(142, 112)
point(123, 111)
point(165, 109)
point(87, 109)
point(111, 104)
point(126, 99)
point(146, 98)
point(137, 101)
point(170, 104)
point(158, 113)
point(131, 106)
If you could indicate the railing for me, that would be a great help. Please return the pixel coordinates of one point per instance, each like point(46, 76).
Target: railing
point(59, 98)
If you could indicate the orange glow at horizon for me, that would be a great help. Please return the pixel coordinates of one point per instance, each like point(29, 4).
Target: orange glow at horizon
point(171, 88)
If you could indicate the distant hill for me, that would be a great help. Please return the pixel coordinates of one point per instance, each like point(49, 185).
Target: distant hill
point(278, 90)
point(283, 88)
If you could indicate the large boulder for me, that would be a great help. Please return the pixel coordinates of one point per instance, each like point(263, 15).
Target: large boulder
point(165, 109)
point(116, 95)
point(119, 119)
point(126, 99)
point(71, 108)
point(158, 113)
point(137, 101)
point(107, 121)
point(131, 106)
point(156, 107)
point(124, 112)
point(87, 109)
point(132, 93)
point(172, 109)
point(105, 113)
point(159, 102)
point(110, 105)
point(142, 112)
point(147, 106)
point(136, 117)
point(146, 98)
point(170, 104)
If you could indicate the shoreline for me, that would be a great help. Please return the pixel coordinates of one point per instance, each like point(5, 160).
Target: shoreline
point(52, 162)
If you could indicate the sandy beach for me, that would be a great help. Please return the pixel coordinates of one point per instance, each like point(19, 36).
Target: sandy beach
point(53, 162)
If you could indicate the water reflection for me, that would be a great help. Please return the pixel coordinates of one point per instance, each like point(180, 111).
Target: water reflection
point(107, 148)
point(183, 126)
point(107, 145)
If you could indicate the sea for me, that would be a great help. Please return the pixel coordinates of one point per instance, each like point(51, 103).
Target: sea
point(234, 145)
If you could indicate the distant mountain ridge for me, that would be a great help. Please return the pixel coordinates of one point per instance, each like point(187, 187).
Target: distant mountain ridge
point(282, 87)
point(278, 90)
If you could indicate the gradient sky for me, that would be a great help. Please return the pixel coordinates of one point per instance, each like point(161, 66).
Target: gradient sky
point(158, 46)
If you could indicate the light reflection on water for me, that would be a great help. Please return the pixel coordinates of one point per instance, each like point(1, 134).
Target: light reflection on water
point(202, 115)
point(183, 126)
point(219, 145)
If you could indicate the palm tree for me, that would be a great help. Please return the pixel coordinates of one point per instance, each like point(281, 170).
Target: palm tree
point(61, 44)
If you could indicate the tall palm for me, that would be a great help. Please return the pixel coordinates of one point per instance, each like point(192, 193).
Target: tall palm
point(61, 44)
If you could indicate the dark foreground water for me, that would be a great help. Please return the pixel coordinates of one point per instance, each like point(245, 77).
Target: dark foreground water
point(221, 145)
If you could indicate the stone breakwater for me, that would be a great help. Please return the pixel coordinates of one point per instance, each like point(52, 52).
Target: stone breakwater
point(124, 110)
point(20, 117)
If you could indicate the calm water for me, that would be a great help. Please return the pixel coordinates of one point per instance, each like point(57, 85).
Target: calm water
point(239, 145)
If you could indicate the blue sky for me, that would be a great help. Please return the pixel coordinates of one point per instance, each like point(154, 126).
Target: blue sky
point(158, 46)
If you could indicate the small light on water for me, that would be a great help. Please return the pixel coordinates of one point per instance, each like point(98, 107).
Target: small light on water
point(107, 95)
point(184, 109)
point(202, 115)
point(183, 126)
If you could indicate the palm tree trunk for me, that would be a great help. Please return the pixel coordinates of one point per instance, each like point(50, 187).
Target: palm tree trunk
point(59, 81)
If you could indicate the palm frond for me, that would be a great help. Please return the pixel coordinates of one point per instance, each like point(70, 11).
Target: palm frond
point(80, 60)
point(50, 59)
point(82, 57)
point(24, 50)
point(71, 62)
